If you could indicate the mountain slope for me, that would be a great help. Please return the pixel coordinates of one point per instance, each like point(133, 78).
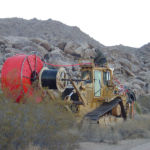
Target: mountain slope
point(50, 30)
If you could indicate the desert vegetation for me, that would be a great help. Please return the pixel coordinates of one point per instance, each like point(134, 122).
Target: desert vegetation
point(144, 104)
point(46, 125)
point(130, 129)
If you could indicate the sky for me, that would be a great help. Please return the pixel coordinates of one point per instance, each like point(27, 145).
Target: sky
point(111, 22)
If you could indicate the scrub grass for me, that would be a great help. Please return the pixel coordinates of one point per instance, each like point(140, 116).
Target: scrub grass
point(46, 125)
point(130, 129)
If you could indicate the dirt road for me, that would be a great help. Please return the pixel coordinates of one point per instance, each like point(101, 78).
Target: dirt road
point(137, 144)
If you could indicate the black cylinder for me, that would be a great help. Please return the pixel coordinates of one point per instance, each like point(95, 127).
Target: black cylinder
point(48, 78)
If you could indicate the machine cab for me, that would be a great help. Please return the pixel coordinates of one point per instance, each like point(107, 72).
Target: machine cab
point(97, 81)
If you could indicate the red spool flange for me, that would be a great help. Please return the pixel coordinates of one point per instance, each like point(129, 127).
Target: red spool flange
point(17, 75)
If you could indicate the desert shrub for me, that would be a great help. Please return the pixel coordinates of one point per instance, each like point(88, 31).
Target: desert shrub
point(94, 133)
point(137, 128)
point(144, 104)
point(130, 129)
point(47, 125)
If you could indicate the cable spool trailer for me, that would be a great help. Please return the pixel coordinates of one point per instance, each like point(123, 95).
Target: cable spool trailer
point(19, 72)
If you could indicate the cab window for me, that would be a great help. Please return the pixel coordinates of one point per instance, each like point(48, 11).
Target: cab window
point(106, 77)
point(97, 83)
point(86, 75)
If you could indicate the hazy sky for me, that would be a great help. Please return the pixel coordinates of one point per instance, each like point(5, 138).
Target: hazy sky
point(110, 22)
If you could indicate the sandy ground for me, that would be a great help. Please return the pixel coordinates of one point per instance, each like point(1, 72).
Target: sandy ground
point(137, 144)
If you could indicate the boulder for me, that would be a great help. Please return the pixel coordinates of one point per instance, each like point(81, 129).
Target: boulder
point(70, 47)
point(125, 63)
point(42, 43)
point(138, 82)
point(85, 46)
point(89, 53)
point(147, 88)
point(62, 45)
point(19, 42)
point(58, 57)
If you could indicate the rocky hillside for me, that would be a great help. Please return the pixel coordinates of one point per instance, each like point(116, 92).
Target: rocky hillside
point(52, 31)
point(131, 65)
point(58, 43)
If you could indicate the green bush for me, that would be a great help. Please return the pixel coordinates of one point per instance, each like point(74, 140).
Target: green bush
point(46, 125)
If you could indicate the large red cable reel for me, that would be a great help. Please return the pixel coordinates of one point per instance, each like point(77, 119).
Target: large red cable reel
point(18, 73)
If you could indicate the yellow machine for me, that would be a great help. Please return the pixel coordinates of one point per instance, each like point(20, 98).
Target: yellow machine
point(97, 98)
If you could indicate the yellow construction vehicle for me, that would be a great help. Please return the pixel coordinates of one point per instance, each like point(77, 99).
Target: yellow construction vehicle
point(97, 98)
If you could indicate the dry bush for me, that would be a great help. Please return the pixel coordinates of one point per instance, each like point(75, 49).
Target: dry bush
point(46, 125)
point(130, 129)
point(144, 104)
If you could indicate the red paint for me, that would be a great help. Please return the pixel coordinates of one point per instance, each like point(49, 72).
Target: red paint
point(14, 83)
